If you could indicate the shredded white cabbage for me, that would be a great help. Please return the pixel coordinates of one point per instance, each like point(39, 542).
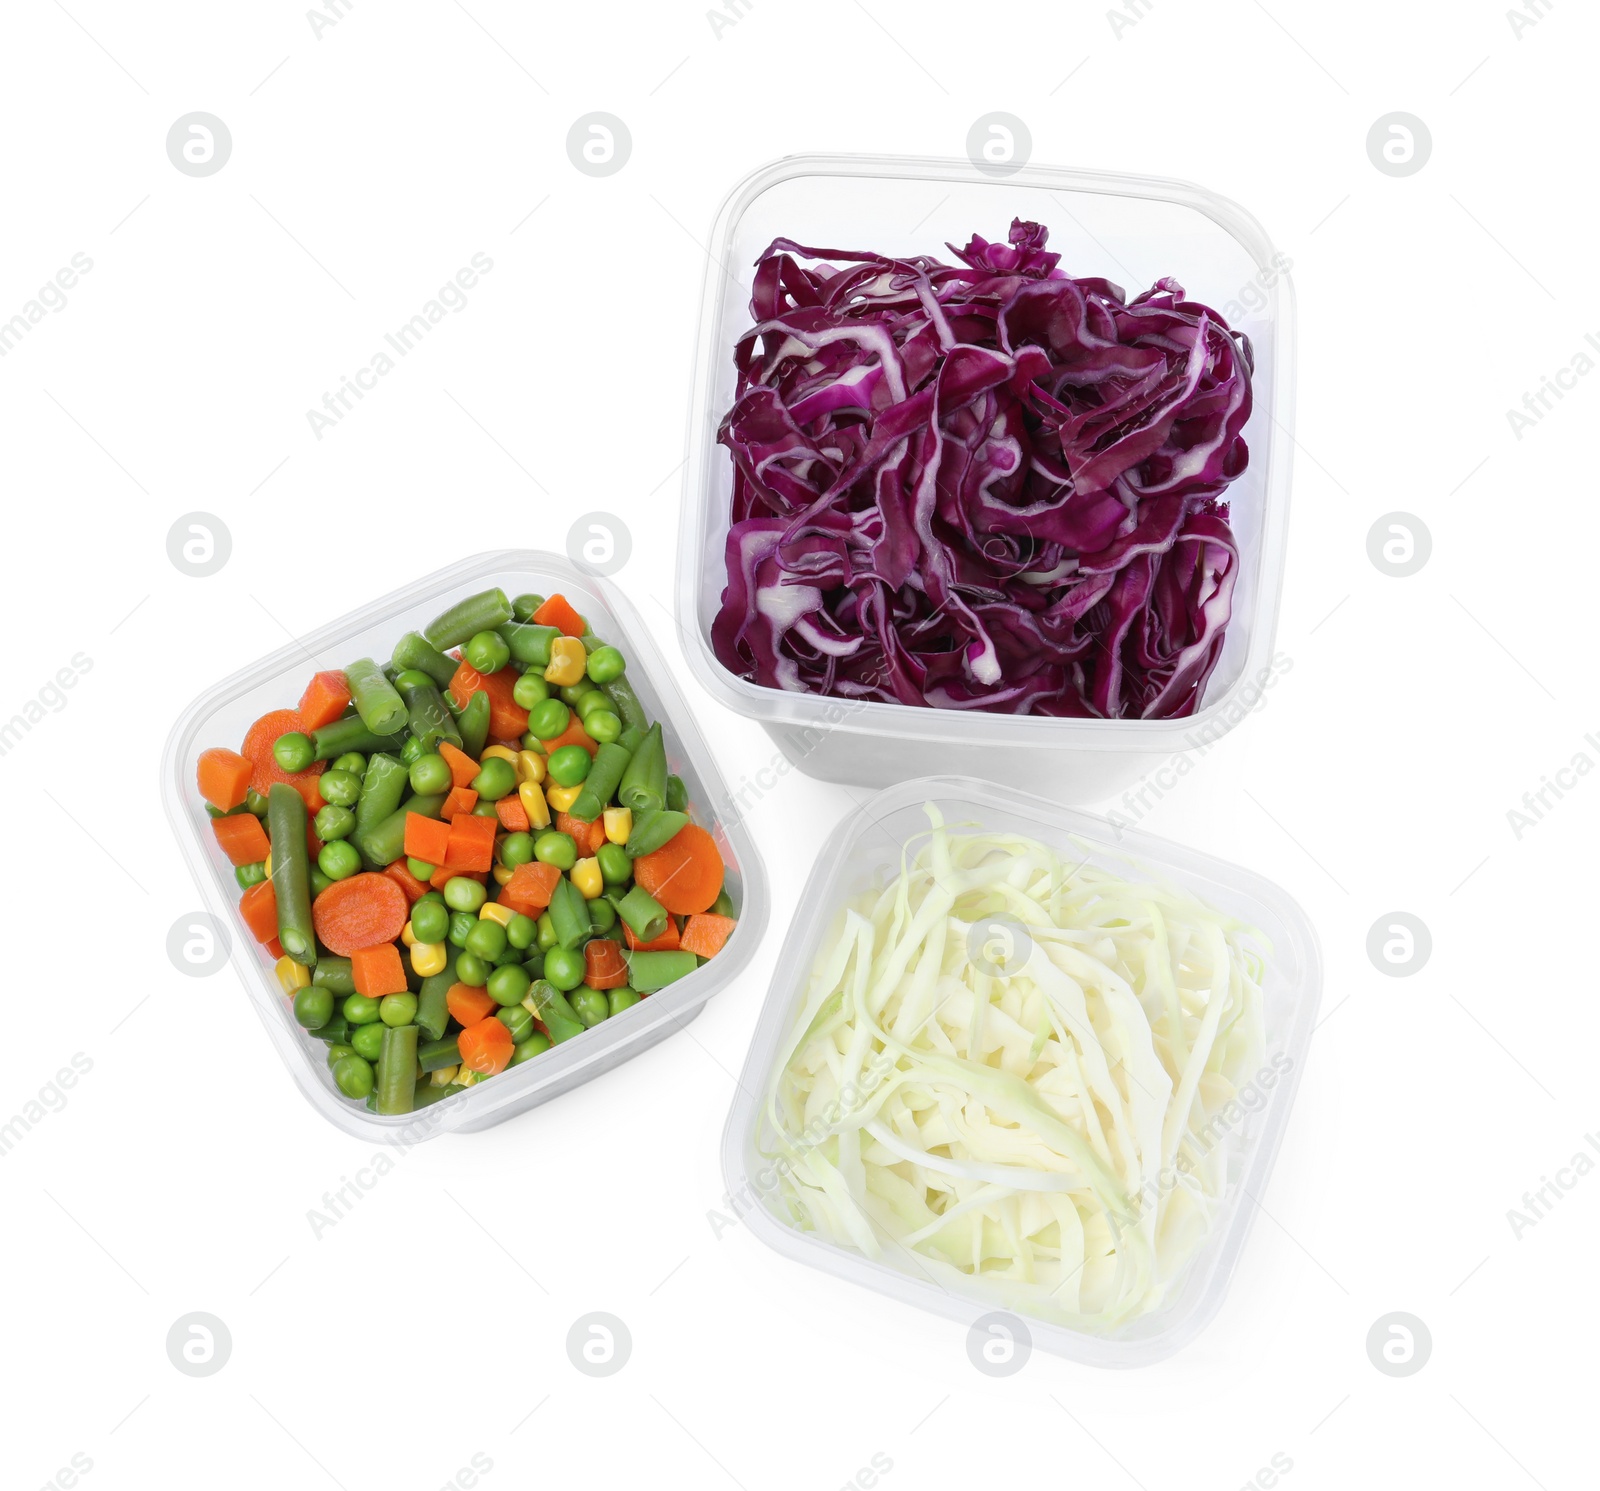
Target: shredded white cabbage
point(1046, 1131)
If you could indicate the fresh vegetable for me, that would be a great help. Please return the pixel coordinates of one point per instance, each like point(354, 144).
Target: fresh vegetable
point(380, 706)
point(325, 699)
point(984, 485)
point(223, 777)
point(264, 769)
point(358, 913)
point(685, 874)
point(291, 872)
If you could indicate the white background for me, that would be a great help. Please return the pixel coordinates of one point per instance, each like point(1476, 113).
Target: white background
point(367, 167)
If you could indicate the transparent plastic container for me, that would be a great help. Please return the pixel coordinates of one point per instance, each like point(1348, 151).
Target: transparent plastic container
point(1132, 230)
point(222, 714)
point(862, 852)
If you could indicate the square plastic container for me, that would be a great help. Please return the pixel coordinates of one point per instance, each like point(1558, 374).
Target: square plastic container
point(861, 852)
point(222, 714)
point(1130, 229)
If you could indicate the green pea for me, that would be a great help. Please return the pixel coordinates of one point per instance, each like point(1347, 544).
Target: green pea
point(530, 690)
point(430, 774)
point(397, 1009)
point(341, 788)
point(353, 1076)
point(535, 1045)
point(590, 1005)
point(294, 751)
point(333, 823)
point(621, 999)
point(463, 894)
point(531, 742)
point(523, 607)
point(338, 860)
point(359, 1010)
point(570, 765)
point(547, 938)
point(319, 882)
point(461, 925)
point(563, 966)
point(487, 652)
point(472, 970)
point(256, 802)
point(508, 985)
point(485, 809)
point(429, 895)
point(337, 1053)
point(487, 940)
point(589, 701)
point(413, 750)
point(570, 693)
point(517, 1020)
point(516, 849)
point(603, 726)
point(313, 1006)
point(615, 866)
point(422, 870)
point(367, 1040)
point(248, 875)
point(497, 778)
point(430, 921)
point(606, 664)
point(354, 763)
point(602, 914)
point(548, 720)
point(521, 931)
point(553, 847)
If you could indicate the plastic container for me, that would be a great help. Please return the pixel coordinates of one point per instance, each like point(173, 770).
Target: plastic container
point(860, 853)
point(1131, 229)
point(221, 715)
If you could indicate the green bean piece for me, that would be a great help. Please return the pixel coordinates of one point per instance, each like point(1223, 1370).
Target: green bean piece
point(385, 842)
point(530, 645)
point(397, 1069)
point(626, 703)
point(524, 606)
point(426, 715)
point(644, 783)
point(473, 722)
point(677, 795)
point(381, 708)
point(415, 652)
point(382, 789)
point(651, 971)
point(336, 1032)
point(622, 998)
point(569, 914)
point(433, 1011)
point(334, 974)
point(291, 872)
point(646, 917)
point(723, 905)
point(477, 613)
point(653, 829)
point(428, 1094)
point(347, 735)
point(437, 1053)
point(610, 762)
point(631, 739)
point(549, 1005)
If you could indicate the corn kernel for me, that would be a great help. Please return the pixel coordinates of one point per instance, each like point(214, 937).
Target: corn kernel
point(505, 753)
point(587, 878)
point(442, 1076)
point(531, 796)
point(619, 824)
point(493, 911)
point(530, 766)
point(292, 976)
point(567, 662)
point(465, 1076)
point(562, 798)
point(407, 936)
point(502, 873)
point(266, 865)
point(428, 958)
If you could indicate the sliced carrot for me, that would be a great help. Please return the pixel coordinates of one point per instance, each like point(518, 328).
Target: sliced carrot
point(224, 777)
point(530, 887)
point(557, 612)
point(667, 942)
point(457, 801)
point(325, 699)
point(486, 1047)
point(684, 874)
point(415, 890)
point(603, 964)
point(467, 1005)
point(462, 767)
point(378, 970)
point(426, 838)
point(259, 908)
point(264, 768)
point(513, 816)
point(705, 934)
point(574, 734)
point(507, 719)
point(242, 837)
point(471, 844)
point(587, 836)
point(359, 912)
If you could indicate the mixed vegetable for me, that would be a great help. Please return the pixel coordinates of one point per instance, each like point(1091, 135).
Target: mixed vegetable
point(468, 855)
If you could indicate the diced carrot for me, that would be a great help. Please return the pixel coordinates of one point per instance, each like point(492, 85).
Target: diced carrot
point(441, 876)
point(378, 970)
point(471, 844)
point(362, 911)
point(685, 874)
point(486, 1047)
point(513, 816)
point(462, 767)
point(426, 838)
point(414, 888)
point(242, 837)
point(603, 964)
point(667, 942)
point(507, 719)
point(264, 768)
point(557, 612)
point(274, 947)
point(574, 734)
point(259, 908)
point(587, 836)
point(530, 887)
point(467, 1005)
point(224, 777)
point(325, 699)
point(705, 934)
point(457, 801)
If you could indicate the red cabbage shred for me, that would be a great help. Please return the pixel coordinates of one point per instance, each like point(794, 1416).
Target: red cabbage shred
point(983, 485)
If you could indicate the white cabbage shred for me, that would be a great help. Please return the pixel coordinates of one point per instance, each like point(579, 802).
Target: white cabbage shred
point(1042, 1130)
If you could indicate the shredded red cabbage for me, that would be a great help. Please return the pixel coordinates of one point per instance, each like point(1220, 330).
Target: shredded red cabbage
point(984, 485)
